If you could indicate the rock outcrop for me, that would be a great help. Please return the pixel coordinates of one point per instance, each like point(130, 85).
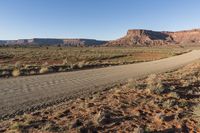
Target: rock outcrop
point(49, 41)
point(133, 38)
point(188, 36)
point(148, 37)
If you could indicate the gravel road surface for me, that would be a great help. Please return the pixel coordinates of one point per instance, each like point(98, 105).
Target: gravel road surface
point(21, 94)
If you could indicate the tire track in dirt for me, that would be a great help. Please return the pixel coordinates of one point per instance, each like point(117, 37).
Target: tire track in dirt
point(27, 93)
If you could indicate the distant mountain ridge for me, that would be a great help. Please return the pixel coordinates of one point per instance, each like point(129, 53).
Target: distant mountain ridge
point(149, 37)
point(133, 37)
point(50, 41)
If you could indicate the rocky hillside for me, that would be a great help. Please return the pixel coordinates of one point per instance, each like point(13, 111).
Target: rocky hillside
point(49, 41)
point(148, 37)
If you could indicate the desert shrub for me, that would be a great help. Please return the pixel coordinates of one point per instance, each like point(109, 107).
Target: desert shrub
point(183, 104)
point(51, 127)
point(61, 69)
point(30, 66)
point(15, 126)
point(155, 85)
point(172, 88)
point(18, 64)
point(196, 110)
point(44, 70)
point(32, 72)
point(190, 92)
point(74, 66)
point(160, 89)
point(174, 95)
point(144, 129)
point(65, 62)
point(131, 83)
point(5, 73)
point(16, 73)
point(169, 103)
point(81, 64)
point(152, 81)
point(196, 114)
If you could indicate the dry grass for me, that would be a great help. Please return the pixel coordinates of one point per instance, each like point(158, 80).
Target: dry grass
point(31, 59)
point(16, 73)
point(196, 113)
point(44, 70)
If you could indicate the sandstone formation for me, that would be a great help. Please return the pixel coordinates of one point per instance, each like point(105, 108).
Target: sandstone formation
point(49, 41)
point(136, 37)
point(148, 37)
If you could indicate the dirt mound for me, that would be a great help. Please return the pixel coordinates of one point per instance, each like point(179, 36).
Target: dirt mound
point(148, 37)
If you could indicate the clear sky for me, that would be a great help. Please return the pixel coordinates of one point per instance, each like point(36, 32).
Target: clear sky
point(98, 19)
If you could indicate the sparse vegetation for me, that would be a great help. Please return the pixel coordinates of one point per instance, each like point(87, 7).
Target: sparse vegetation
point(30, 60)
point(16, 73)
point(196, 113)
point(140, 105)
point(44, 70)
point(155, 84)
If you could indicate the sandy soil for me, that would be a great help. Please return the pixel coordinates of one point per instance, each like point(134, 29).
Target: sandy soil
point(26, 94)
point(158, 103)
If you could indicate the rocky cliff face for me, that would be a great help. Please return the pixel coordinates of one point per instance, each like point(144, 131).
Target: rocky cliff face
point(148, 37)
point(190, 36)
point(49, 41)
point(83, 42)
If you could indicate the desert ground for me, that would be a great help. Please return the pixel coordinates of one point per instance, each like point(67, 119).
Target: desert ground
point(99, 66)
point(116, 98)
point(160, 103)
point(23, 61)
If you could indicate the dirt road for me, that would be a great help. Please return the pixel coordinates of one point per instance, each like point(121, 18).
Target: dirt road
point(30, 93)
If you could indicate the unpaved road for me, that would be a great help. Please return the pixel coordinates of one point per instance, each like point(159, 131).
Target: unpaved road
point(30, 93)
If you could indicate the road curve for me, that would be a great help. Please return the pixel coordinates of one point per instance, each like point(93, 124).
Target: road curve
point(29, 93)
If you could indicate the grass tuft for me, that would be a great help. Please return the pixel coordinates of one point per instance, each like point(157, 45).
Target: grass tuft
point(16, 73)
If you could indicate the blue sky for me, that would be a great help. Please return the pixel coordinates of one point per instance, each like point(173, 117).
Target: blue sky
point(98, 19)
